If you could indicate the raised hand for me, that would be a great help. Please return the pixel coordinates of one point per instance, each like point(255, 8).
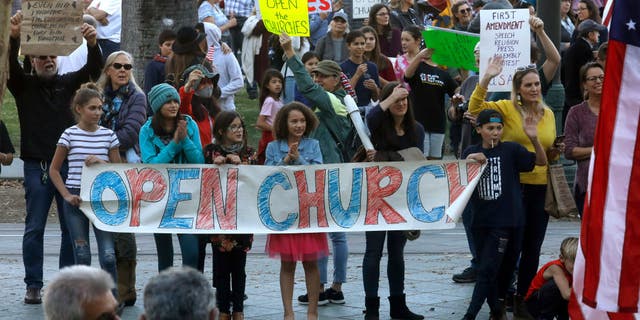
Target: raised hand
point(16, 22)
point(530, 127)
point(90, 34)
point(495, 66)
point(536, 24)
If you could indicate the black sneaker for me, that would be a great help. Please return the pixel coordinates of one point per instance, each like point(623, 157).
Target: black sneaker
point(466, 276)
point(304, 299)
point(334, 296)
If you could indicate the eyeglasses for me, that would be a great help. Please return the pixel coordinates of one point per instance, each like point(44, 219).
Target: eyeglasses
point(467, 10)
point(235, 128)
point(527, 67)
point(594, 78)
point(582, 8)
point(45, 57)
point(118, 66)
point(382, 14)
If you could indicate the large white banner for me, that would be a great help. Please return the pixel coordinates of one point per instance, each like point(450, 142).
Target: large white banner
point(505, 33)
point(172, 198)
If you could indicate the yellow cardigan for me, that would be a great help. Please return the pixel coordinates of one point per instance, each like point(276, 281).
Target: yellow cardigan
point(513, 130)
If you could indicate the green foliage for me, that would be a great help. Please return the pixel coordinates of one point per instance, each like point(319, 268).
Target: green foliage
point(10, 117)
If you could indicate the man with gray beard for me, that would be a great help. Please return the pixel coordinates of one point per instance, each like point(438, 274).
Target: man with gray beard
point(42, 100)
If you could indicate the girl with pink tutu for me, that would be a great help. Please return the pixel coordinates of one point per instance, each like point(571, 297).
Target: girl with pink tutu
point(291, 127)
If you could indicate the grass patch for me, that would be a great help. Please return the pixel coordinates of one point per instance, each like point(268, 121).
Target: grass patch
point(246, 107)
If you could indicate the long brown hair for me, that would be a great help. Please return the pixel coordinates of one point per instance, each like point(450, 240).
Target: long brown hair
point(264, 92)
point(538, 112)
point(383, 31)
point(375, 55)
point(281, 126)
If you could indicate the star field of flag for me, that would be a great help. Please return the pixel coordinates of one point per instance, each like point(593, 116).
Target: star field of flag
point(625, 24)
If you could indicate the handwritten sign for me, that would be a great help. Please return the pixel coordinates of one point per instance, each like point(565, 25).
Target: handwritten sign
point(368, 196)
point(361, 8)
point(318, 6)
point(452, 48)
point(506, 33)
point(50, 27)
point(290, 16)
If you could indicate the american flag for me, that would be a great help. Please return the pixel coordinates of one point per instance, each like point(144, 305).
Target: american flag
point(606, 278)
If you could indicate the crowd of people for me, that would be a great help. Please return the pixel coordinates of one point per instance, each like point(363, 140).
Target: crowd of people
point(184, 112)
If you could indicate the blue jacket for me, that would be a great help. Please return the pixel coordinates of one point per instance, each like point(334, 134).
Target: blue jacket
point(153, 150)
point(309, 150)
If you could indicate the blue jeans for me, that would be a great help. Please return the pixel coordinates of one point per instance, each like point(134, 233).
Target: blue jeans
point(188, 247)
point(340, 255)
point(371, 262)
point(289, 90)
point(78, 225)
point(38, 195)
point(108, 47)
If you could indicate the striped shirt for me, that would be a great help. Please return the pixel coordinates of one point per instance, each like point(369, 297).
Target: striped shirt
point(82, 144)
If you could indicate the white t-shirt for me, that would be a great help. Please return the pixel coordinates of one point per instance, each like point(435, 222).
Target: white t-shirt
point(82, 144)
point(114, 10)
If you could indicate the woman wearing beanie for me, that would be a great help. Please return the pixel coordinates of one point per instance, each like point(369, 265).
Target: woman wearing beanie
point(169, 137)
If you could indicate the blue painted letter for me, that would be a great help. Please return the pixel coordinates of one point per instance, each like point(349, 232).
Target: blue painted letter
point(264, 193)
point(345, 218)
point(110, 180)
point(175, 196)
point(414, 203)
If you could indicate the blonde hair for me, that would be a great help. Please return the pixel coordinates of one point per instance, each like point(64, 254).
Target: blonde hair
point(568, 248)
point(104, 78)
point(538, 111)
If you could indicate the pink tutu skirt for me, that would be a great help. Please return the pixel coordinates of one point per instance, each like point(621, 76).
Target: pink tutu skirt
point(297, 246)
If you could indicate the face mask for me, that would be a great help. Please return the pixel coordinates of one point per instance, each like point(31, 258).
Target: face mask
point(205, 92)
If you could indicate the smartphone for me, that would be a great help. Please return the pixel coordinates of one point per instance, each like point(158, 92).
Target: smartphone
point(558, 140)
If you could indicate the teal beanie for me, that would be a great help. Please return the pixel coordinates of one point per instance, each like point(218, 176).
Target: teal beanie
point(161, 94)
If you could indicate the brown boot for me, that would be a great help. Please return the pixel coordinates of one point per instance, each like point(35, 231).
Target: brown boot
point(126, 282)
point(238, 316)
point(224, 316)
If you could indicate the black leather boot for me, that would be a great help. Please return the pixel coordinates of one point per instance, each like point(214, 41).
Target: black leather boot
point(373, 308)
point(399, 309)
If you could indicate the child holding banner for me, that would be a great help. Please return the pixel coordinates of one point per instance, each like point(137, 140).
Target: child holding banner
point(496, 203)
point(85, 143)
point(292, 126)
point(170, 137)
point(230, 251)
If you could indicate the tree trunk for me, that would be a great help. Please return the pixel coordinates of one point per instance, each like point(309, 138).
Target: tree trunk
point(142, 22)
point(5, 25)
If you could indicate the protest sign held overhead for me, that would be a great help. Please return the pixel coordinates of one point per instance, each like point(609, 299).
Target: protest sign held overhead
point(368, 196)
point(360, 8)
point(452, 48)
point(290, 16)
point(505, 33)
point(50, 27)
point(318, 6)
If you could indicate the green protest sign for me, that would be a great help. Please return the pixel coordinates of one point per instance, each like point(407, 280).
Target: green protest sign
point(451, 48)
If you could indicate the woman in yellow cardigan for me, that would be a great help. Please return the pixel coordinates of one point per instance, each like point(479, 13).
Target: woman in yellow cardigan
point(526, 100)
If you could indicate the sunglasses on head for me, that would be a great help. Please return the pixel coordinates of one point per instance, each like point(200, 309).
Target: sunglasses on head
point(527, 67)
point(45, 57)
point(118, 66)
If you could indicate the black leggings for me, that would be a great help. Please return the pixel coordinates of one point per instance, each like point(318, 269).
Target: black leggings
point(230, 279)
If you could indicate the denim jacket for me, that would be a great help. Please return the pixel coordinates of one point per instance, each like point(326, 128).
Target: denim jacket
point(154, 150)
point(309, 150)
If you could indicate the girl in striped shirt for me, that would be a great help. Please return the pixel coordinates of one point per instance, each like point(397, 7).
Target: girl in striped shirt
point(85, 143)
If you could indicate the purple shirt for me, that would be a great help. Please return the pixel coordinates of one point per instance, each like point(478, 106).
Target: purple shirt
point(579, 130)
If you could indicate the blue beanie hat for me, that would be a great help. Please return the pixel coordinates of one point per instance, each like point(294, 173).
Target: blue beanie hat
point(161, 94)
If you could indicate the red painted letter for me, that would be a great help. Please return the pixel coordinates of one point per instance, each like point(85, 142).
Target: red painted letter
point(211, 190)
point(307, 199)
point(453, 175)
point(376, 194)
point(137, 178)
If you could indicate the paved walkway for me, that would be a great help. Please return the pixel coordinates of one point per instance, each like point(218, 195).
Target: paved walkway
point(430, 262)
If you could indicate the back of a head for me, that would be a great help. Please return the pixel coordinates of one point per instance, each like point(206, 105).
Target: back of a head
point(178, 293)
point(569, 248)
point(72, 288)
